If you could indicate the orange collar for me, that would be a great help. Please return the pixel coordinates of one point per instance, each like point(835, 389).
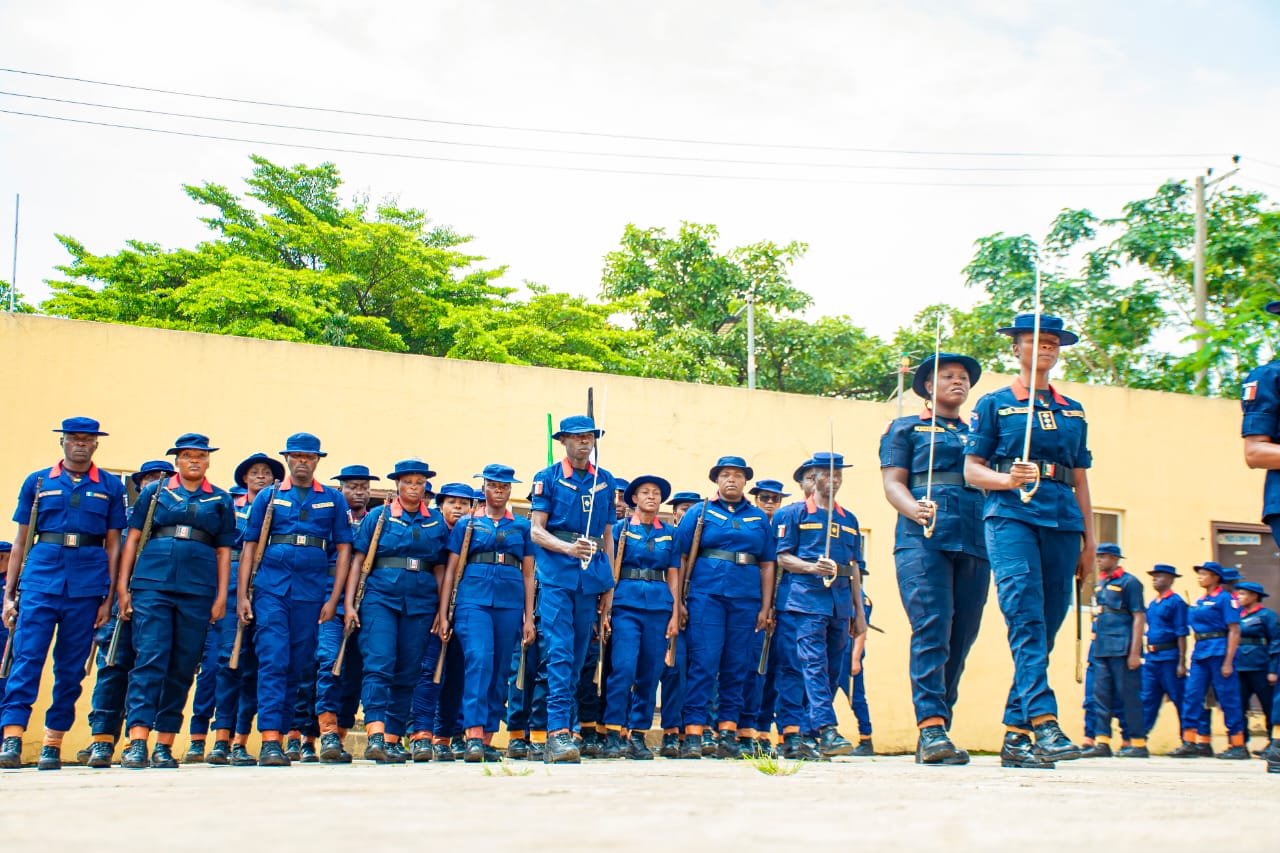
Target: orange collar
point(1168, 593)
point(635, 519)
point(1255, 609)
point(506, 516)
point(56, 471)
point(1020, 392)
point(288, 484)
point(1115, 575)
point(567, 467)
point(397, 509)
point(175, 481)
point(811, 505)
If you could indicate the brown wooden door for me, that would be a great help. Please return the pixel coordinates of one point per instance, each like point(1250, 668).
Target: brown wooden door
point(1249, 548)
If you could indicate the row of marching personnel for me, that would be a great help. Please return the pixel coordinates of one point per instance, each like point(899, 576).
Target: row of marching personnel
point(442, 609)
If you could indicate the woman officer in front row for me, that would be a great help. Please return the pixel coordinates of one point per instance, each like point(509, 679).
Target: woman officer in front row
point(942, 577)
point(494, 606)
point(1037, 547)
point(401, 596)
point(172, 587)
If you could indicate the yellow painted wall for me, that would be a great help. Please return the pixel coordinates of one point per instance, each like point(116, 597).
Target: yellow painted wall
point(1169, 463)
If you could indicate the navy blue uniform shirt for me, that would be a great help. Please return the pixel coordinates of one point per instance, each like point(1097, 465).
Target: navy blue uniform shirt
point(802, 530)
point(1166, 622)
point(182, 565)
point(566, 496)
point(905, 444)
point(1260, 403)
point(649, 546)
point(490, 583)
point(419, 535)
point(1059, 435)
point(739, 528)
point(1261, 627)
point(91, 506)
point(1212, 613)
point(1119, 596)
point(301, 572)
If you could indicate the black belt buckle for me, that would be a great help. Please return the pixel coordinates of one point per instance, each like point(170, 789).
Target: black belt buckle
point(182, 531)
point(71, 540)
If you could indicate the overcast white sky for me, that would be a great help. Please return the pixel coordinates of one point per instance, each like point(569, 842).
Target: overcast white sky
point(1076, 77)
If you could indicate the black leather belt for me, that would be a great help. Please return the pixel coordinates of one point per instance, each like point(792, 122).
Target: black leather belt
point(1253, 641)
point(634, 574)
point(1048, 470)
point(843, 570)
point(570, 536)
point(409, 564)
point(494, 557)
point(184, 532)
point(739, 558)
point(71, 540)
point(297, 539)
point(1117, 611)
point(1161, 647)
point(940, 478)
point(1210, 635)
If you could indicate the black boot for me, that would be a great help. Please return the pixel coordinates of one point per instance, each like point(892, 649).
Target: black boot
point(241, 757)
point(934, 746)
point(376, 750)
point(1053, 744)
point(1234, 753)
point(309, 755)
point(537, 750)
point(1133, 752)
point(100, 752)
point(330, 748)
point(518, 749)
point(458, 744)
point(1204, 750)
point(272, 755)
point(492, 755)
point(1186, 750)
point(293, 749)
point(727, 745)
point(441, 752)
point(1098, 750)
point(864, 749)
point(135, 755)
point(747, 747)
point(220, 754)
point(592, 744)
point(708, 743)
point(764, 748)
point(162, 757)
point(11, 753)
point(1020, 753)
point(50, 758)
point(612, 746)
point(420, 750)
point(397, 754)
point(691, 746)
point(637, 749)
point(82, 757)
point(195, 753)
point(475, 751)
point(1272, 752)
point(831, 742)
point(561, 749)
point(795, 747)
point(670, 745)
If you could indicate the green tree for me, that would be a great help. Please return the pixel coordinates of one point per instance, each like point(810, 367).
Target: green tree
point(20, 305)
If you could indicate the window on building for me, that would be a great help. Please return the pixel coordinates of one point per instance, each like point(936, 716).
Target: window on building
point(1107, 526)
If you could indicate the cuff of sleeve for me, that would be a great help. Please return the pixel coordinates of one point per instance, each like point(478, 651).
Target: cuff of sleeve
point(1258, 423)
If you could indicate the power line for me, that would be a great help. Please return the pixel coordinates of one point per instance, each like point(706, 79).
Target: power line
point(604, 135)
point(560, 167)
point(579, 152)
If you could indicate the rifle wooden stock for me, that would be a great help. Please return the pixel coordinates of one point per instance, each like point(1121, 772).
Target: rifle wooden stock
point(6, 660)
point(600, 629)
point(686, 571)
point(762, 668)
point(1079, 634)
point(113, 648)
point(234, 662)
point(453, 597)
point(367, 566)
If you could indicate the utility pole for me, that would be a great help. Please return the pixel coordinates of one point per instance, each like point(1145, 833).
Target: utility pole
point(13, 281)
point(1201, 288)
point(751, 341)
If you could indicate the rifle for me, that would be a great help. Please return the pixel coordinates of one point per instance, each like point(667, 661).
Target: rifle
point(113, 648)
point(6, 661)
point(524, 648)
point(604, 635)
point(453, 597)
point(1079, 634)
point(367, 566)
point(234, 663)
point(686, 571)
point(762, 668)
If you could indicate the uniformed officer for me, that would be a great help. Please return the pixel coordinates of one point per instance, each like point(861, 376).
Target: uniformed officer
point(818, 540)
point(730, 594)
point(759, 695)
point(1038, 546)
point(337, 697)
point(65, 584)
point(106, 717)
point(237, 689)
point(1164, 669)
point(1258, 659)
point(943, 578)
point(433, 701)
point(6, 548)
point(401, 596)
point(619, 500)
point(1215, 619)
point(1117, 653)
point(643, 617)
point(672, 682)
point(494, 606)
point(572, 510)
point(173, 587)
point(293, 591)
